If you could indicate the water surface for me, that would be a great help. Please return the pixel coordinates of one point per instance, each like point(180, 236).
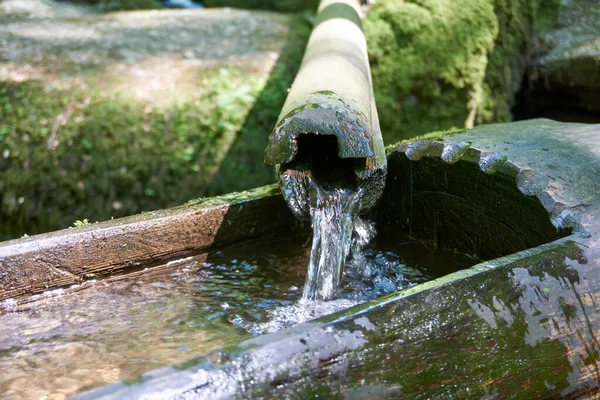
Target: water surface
point(86, 336)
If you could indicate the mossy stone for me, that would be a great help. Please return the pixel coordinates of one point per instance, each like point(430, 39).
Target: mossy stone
point(447, 64)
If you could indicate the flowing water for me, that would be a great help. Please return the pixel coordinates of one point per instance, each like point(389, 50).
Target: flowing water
point(333, 222)
point(340, 236)
point(73, 339)
point(331, 192)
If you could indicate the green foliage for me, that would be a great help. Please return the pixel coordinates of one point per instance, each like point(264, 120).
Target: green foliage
point(111, 156)
point(447, 63)
point(66, 154)
point(275, 5)
point(79, 223)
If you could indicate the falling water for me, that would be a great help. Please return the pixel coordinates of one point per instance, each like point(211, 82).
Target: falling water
point(333, 209)
point(333, 223)
point(320, 186)
point(338, 231)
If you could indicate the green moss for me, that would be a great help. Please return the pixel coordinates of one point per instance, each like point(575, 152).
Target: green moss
point(547, 15)
point(507, 61)
point(235, 197)
point(111, 157)
point(437, 135)
point(443, 64)
point(428, 62)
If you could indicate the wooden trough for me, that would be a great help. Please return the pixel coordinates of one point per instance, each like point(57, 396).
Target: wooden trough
point(525, 196)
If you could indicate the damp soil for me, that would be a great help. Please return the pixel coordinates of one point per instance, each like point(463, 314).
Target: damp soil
point(69, 340)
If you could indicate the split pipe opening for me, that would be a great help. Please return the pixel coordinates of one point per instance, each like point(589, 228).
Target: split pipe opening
point(328, 130)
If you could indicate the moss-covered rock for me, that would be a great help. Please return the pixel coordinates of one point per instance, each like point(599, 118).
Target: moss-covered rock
point(438, 64)
point(112, 114)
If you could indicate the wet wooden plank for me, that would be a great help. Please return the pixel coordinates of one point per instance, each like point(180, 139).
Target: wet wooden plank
point(34, 264)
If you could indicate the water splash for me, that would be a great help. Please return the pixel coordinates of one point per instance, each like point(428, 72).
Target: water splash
point(300, 311)
point(360, 266)
point(339, 233)
point(369, 273)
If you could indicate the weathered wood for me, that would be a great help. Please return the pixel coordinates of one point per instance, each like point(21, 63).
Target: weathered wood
point(37, 263)
point(332, 93)
point(429, 198)
point(522, 326)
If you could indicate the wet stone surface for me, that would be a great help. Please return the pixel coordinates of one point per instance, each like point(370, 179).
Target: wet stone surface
point(78, 338)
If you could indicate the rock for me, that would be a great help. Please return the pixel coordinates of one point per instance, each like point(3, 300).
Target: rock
point(142, 109)
point(567, 73)
point(453, 65)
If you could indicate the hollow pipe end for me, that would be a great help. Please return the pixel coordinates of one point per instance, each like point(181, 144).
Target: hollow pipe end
point(321, 113)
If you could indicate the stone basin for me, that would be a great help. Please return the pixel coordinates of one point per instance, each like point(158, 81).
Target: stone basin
point(523, 196)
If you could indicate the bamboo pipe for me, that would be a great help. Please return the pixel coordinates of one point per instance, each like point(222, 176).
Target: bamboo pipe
point(332, 94)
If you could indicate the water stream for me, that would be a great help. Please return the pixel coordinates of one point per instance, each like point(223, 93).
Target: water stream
point(333, 221)
point(320, 186)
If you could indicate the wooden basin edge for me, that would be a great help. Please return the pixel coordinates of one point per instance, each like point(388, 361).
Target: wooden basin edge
point(43, 262)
